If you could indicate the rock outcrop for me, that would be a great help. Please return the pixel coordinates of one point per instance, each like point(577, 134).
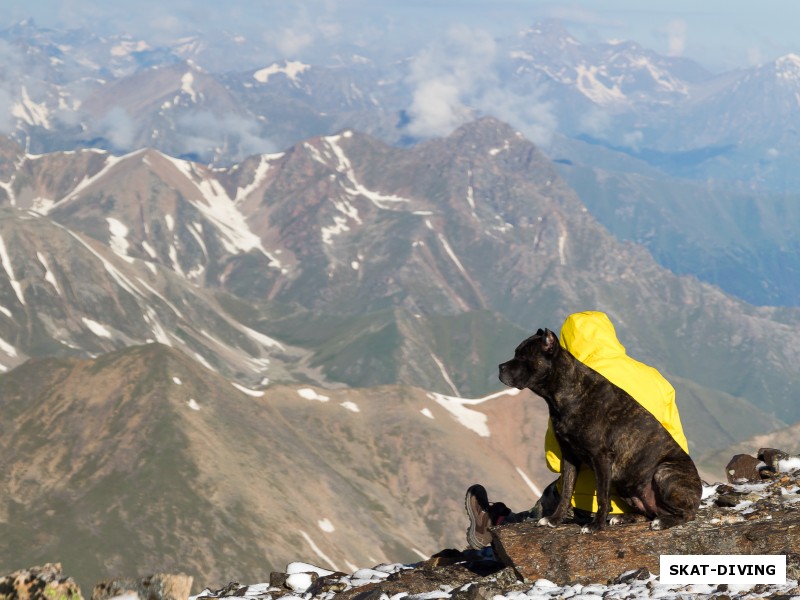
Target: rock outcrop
point(757, 513)
point(49, 583)
point(39, 583)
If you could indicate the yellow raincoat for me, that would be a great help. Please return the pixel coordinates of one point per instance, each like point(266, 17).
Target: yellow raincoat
point(590, 337)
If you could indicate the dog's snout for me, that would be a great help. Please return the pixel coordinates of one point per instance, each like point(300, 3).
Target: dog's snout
point(504, 374)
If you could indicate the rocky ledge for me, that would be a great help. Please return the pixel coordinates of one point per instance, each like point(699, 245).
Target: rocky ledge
point(756, 512)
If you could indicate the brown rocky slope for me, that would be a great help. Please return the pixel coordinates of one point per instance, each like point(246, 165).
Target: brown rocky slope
point(143, 460)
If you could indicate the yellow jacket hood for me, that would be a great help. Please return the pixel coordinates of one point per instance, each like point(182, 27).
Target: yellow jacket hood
point(590, 336)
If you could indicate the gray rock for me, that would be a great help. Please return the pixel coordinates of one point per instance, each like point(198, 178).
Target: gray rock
point(160, 586)
point(278, 580)
point(640, 574)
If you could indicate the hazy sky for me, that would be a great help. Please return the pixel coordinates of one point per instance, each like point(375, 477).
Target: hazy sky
point(719, 34)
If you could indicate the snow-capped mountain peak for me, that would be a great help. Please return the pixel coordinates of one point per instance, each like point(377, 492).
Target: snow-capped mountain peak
point(788, 67)
point(290, 68)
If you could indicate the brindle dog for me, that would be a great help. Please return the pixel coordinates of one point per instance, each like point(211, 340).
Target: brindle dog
point(599, 424)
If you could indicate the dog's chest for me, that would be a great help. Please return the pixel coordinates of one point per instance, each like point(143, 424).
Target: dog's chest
point(577, 432)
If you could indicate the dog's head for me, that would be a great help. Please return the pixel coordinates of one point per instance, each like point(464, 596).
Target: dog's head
point(532, 362)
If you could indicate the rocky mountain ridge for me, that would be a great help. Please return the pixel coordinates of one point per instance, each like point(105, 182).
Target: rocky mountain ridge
point(476, 228)
point(688, 227)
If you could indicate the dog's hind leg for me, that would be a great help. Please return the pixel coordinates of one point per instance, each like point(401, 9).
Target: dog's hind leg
point(569, 473)
point(678, 490)
point(626, 518)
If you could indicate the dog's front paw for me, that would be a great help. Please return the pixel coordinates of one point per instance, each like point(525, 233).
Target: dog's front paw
point(592, 527)
point(656, 524)
point(547, 522)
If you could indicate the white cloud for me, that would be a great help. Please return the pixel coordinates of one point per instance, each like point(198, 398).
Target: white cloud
point(755, 56)
point(290, 42)
point(676, 31)
point(238, 135)
point(13, 74)
point(119, 127)
point(303, 26)
point(456, 77)
point(445, 74)
point(529, 113)
point(633, 139)
point(6, 117)
point(170, 25)
point(581, 16)
point(436, 109)
point(595, 121)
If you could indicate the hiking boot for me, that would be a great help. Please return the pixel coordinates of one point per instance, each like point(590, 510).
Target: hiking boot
point(482, 515)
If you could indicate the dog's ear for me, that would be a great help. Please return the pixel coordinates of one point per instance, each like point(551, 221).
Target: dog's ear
point(549, 342)
point(539, 331)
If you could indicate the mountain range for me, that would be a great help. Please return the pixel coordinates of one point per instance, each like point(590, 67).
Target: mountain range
point(254, 301)
point(72, 88)
point(635, 125)
point(345, 255)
